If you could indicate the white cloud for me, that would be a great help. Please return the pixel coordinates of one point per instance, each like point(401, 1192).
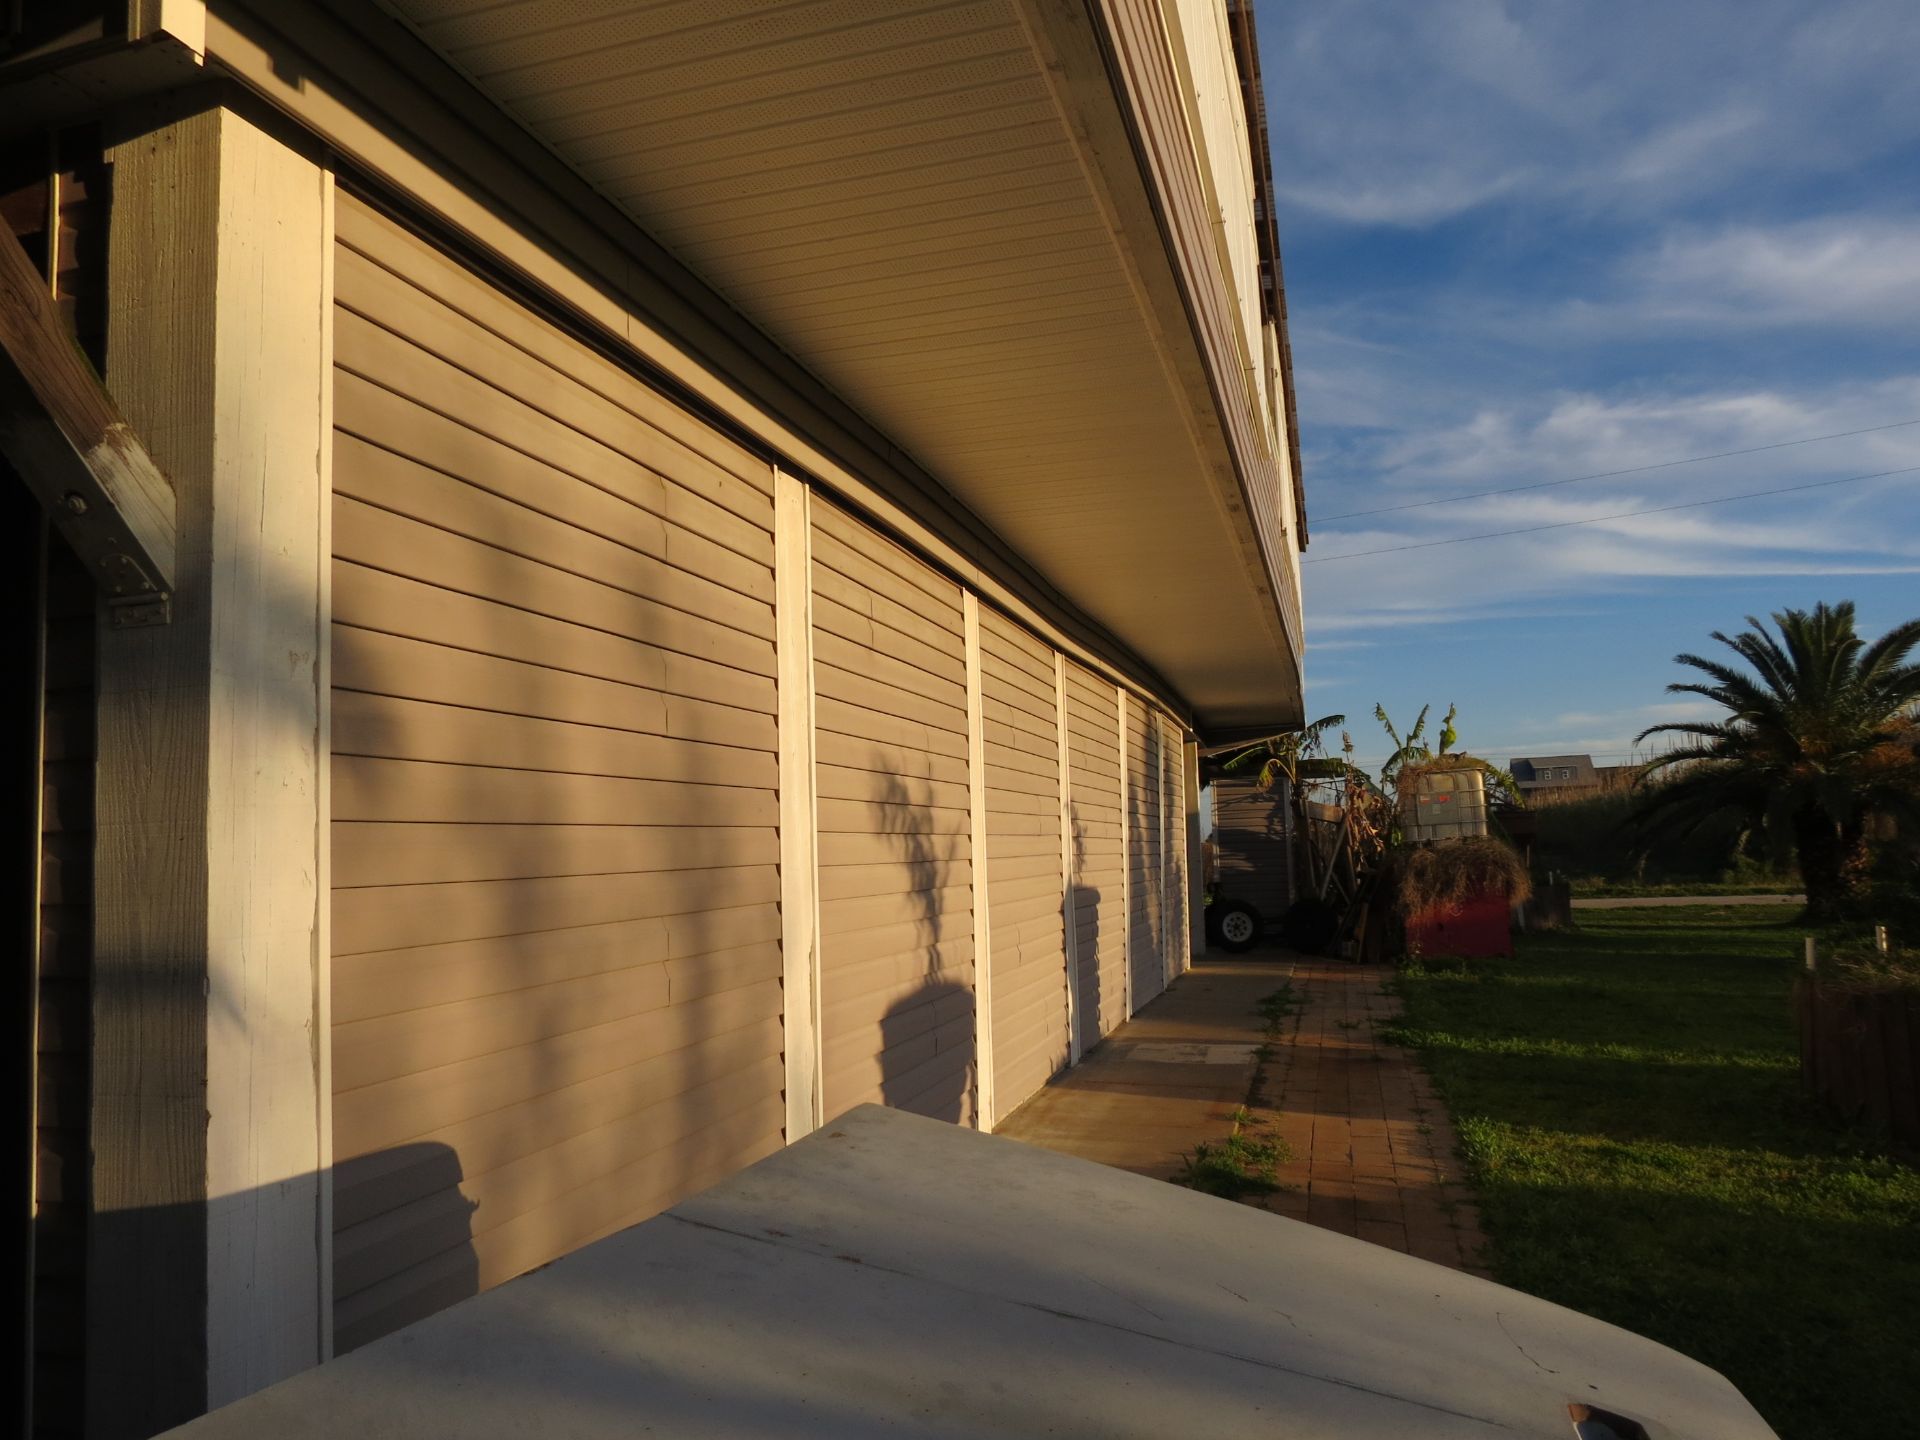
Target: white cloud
point(1529, 243)
point(1843, 272)
point(1637, 717)
point(1861, 530)
point(1559, 436)
point(1410, 114)
point(1681, 147)
point(1840, 270)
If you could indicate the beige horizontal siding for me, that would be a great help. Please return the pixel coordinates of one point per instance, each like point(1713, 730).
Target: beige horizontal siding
point(374, 601)
point(1099, 905)
point(1024, 880)
point(373, 663)
point(669, 619)
point(550, 369)
point(896, 873)
point(1174, 937)
point(1250, 845)
point(1146, 880)
point(556, 977)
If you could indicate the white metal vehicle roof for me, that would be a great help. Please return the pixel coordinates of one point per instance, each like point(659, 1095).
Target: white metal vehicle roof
point(892, 1275)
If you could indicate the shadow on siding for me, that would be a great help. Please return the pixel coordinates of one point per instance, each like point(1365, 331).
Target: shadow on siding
point(417, 1188)
point(927, 1038)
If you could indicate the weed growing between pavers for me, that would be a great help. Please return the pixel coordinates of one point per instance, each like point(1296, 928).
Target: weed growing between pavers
point(1277, 1007)
point(1629, 1111)
point(1235, 1167)
point(1244, 1164)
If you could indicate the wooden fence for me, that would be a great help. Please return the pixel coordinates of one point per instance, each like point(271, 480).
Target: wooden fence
point(1858, 1053)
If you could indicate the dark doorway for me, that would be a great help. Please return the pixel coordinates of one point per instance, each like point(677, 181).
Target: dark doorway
point(46, 748)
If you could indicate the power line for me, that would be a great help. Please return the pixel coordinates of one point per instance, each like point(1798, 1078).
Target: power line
point(1611, 474)
point(1601, 519)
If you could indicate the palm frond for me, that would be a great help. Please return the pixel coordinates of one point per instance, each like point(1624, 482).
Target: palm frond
point(1757, 648)
point(1380, 714)
point(1703, 729)
point(1884, 655)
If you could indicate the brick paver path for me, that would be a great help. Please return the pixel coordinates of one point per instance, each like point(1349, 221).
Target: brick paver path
point(1373, 1147)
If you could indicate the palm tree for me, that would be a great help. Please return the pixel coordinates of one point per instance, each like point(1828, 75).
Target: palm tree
point(1819, 740)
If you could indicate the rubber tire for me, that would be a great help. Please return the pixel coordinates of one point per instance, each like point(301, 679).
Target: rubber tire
point(1235, 925)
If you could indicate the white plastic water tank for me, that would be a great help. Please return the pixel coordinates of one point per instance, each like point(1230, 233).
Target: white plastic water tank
point(1444, 805)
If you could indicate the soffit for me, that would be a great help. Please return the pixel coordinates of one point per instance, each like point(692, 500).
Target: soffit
point(890, 192)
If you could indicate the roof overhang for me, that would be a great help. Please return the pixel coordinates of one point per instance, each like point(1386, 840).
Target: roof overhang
point(965, 243)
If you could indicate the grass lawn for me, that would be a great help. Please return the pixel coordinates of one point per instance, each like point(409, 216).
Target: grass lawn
point(1600, 889)
point(1628, 1104)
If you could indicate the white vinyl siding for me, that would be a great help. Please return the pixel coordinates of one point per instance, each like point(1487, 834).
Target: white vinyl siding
point(896, 872)
point(557, 977)
point(1146, 877)
point(1099, 894)
point(1024, 878)
point(556, 968)
point(1174, 935)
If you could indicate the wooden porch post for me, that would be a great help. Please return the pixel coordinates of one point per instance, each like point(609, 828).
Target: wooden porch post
point(208, 1252)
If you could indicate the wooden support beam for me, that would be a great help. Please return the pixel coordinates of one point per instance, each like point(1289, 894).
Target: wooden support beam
point(67, 439)
point(208, 1252)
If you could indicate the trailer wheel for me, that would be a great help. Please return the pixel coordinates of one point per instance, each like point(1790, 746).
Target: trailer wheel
point(1236, 925)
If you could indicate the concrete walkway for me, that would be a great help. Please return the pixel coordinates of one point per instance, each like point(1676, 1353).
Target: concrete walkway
point(1371, 1146)
point(1168, 1079)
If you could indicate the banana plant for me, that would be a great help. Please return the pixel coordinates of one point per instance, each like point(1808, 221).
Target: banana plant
point(1413, 750)
point(1288, 757)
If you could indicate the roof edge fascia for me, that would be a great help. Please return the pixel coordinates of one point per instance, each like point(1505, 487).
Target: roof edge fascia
point(1143, 163)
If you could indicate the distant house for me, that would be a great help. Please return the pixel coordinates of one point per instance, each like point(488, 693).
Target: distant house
point(1536, 773)
point(1559, 775)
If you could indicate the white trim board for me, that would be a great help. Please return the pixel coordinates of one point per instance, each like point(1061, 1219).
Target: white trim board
point(982, 910)
point(1070, 921)
point(799, 824)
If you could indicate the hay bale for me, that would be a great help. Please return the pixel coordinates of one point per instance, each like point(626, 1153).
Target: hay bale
point(1447, 873)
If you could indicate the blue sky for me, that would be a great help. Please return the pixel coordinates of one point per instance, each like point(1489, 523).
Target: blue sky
point(1534, 240)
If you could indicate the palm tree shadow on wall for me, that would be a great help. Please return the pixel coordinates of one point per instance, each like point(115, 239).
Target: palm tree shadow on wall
point(927, 1037)
point(1082, 921)
point(663, 1082)
point(1143, 921)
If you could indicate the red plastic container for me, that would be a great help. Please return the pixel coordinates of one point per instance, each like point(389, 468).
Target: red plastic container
point(1480, 927)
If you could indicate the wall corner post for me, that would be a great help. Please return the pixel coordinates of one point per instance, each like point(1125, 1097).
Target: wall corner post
point(987, 1115)
point(207, 1253)
point(799, 826)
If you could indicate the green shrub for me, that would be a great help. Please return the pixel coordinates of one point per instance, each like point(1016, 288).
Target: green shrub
point(1590, 837)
